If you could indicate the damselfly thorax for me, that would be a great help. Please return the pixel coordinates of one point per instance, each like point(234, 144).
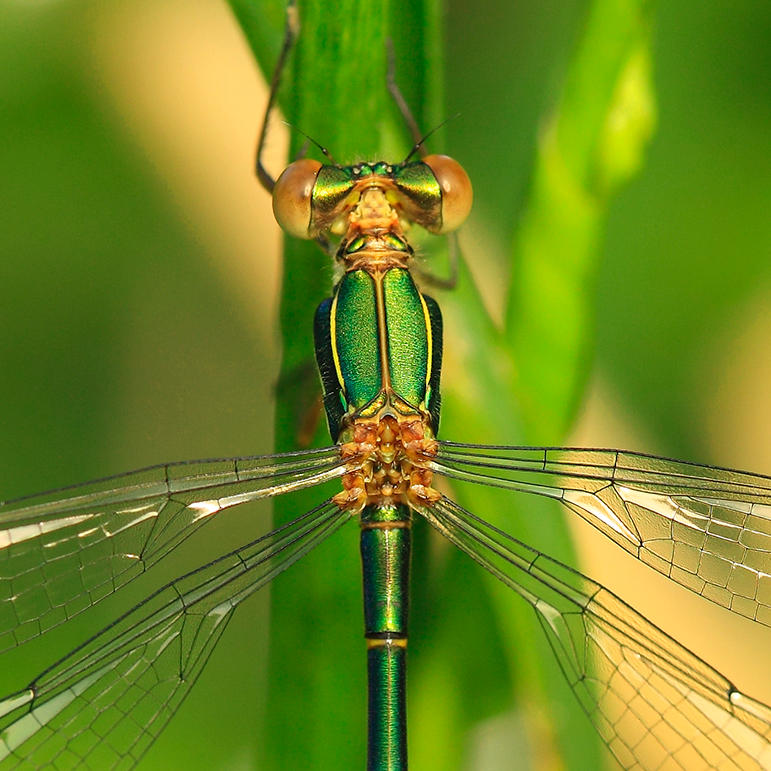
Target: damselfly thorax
point(378, 338)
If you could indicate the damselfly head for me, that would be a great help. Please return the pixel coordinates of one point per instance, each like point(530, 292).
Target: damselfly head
point(310, 198)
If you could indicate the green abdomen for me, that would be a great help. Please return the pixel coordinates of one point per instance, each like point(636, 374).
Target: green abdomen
point(378, 335)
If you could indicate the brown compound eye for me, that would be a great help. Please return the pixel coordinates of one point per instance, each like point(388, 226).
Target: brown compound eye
point(455, 185)
point(292, 197)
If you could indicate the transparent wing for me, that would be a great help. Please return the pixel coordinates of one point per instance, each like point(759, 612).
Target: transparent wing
point(654, 703)
point(103, 705)
point(62, 552)
point(708, 529)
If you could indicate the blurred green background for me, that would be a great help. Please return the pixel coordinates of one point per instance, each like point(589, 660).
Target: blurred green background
point(140, 275)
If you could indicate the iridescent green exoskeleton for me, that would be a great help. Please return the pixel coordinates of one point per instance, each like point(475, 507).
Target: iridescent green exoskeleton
point(379, 349)
point(378, 331)
point(378, 342)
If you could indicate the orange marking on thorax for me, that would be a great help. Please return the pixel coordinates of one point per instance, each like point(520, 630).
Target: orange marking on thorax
point(388, 463)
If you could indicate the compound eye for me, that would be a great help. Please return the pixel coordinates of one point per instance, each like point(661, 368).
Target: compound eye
point(292, 197)
point(455, 185)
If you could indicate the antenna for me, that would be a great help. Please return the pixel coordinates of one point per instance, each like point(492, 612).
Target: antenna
point(323, 149)
point(420, 142)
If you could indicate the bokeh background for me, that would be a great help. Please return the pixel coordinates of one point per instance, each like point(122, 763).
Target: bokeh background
point(139, 267)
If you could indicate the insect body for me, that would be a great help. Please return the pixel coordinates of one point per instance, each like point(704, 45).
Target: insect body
point(378, 346)
point(379, 350)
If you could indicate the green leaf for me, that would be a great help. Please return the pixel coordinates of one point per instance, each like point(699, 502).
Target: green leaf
point(538, 359)
point(592, 144)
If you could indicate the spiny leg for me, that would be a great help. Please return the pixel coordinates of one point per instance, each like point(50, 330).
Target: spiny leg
point(290, 35)
point(300, 387)
point(418, 137)
point(441, 282)
point(291, 31)
point(401, 102)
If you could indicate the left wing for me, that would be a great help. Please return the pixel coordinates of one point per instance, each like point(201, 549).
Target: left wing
point(707, 528)
point(654, 703)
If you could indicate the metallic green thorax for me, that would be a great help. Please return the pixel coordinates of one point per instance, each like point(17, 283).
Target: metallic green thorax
point(378, 339)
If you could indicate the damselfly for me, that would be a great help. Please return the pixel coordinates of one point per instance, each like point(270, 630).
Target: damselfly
point(73, 549)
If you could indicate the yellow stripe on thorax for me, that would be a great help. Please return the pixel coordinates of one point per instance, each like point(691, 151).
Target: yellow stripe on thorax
point(429, 340)
point(333, 340)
